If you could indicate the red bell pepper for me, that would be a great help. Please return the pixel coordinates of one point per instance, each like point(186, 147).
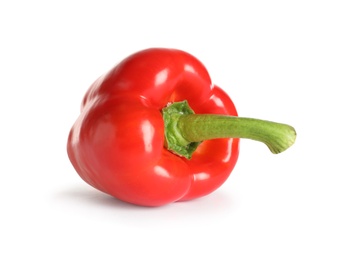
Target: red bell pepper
point(138, 140)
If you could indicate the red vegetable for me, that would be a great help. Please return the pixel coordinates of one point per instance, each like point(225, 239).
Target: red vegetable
point(138, 140)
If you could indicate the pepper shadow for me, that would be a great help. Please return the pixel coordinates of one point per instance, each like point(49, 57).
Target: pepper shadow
point(92, 197)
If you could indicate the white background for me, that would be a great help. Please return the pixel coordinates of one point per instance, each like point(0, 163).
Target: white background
point(278, 60)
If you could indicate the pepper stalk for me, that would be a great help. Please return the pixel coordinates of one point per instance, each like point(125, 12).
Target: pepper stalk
point(185, 130)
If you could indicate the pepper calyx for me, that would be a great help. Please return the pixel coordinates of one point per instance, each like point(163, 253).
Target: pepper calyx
point(174, 140)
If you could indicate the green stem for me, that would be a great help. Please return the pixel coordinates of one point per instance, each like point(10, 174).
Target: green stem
point(184, 130)
point(195, 128)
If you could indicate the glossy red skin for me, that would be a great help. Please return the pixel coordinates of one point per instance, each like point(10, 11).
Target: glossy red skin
point(117, 143)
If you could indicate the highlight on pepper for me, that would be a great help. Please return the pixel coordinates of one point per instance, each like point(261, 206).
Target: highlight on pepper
point(155, 130)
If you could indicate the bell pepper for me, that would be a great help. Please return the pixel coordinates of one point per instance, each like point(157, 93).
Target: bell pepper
point(154, 130)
